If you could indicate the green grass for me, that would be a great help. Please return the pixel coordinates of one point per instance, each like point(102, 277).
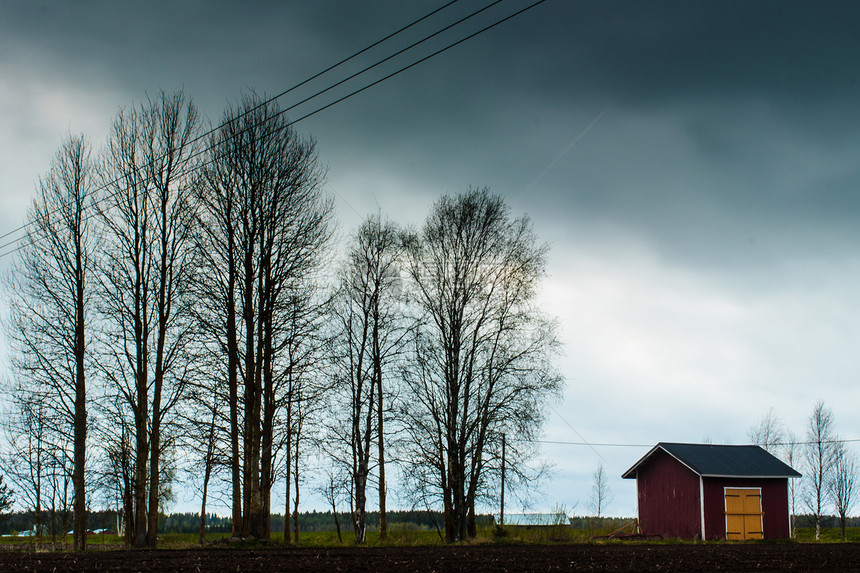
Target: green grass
point(828, 534)
point(404, 535)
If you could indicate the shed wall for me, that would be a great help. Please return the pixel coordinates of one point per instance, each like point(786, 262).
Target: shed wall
point(774, 505)
point(669, 503)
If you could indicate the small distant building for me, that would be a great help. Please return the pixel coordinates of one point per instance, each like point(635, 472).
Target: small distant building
point(703, 491)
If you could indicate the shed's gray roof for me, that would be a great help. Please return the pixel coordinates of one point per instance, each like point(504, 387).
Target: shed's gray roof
point(721, 461)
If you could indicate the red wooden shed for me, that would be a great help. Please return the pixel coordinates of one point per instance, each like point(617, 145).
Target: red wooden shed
point(702, 491)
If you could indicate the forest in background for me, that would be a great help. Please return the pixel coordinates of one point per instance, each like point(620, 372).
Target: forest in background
point(309, 521)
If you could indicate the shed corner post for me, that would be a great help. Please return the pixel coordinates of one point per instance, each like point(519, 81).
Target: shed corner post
point(638, 504)
point(702, 504)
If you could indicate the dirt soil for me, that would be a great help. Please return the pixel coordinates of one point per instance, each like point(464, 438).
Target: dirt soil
point(610, 557)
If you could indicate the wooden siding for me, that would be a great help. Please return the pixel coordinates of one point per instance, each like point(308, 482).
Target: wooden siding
point(774, 505)
point(669, 503)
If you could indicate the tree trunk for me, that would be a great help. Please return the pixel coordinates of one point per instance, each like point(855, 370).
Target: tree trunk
point(472, 528)
point(360, 505)
point(80, 424)
point(296, 505)
point(38, 520)
point(233, 385)
point(141, 333)
point(383, 521)
point(257, 518)
point(336, 522)
point(459, 505)
point(154, 467)
point(448, 510)
point(287, 472)
point(203, 513)
point(235, 466)
point(141, 457)
point(268, 422)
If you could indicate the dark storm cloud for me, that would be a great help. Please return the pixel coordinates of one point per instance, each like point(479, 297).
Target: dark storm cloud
point(693, 163)
point(725, 122)
point(626, 53)
point(731, 125)
point(661, 52)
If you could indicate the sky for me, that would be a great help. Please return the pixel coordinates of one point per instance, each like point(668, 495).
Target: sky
point(692, 165)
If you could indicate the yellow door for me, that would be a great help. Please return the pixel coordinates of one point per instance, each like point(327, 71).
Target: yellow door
point(743, 513)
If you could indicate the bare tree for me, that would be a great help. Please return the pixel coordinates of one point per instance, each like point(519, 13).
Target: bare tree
point(145, 272)
point(6, 496)
point(57, 480)
point(116, 471)
point(843, 482)
point(49, 289)
point(767, 433)
point(209, 465)
point(368, 335)
point(27, 458)
point(481, 364)
point(818, 455)
point(201, 442)
point(332, 490)
point(299, 393)
point(791, 453)
point(601, 492)
point(265, 225)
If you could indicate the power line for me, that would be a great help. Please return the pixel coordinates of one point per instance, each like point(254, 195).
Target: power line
point(281, 94)
point(593, 445)
point(584, 441)
point(422, 60)
point(339, 100)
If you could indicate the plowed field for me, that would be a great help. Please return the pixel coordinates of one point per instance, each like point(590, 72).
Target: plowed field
point(611, 557)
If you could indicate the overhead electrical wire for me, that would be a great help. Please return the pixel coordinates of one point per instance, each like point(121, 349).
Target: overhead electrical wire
point(364, 70)
point(323, 91)
point(593, 445)
point(283, 93)
point(577, 433)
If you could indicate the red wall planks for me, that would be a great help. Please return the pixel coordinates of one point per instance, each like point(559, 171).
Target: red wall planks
point(774, 505)
point(669, 502)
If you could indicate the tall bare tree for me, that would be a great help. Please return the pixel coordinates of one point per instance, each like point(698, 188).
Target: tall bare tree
point(843, 482)
point(299, 392)
point(32, 448)
point(601, 492)
point(482, 361)
point(145, 271)
point(791, 455)
point(50, 290)
point(201, 435)
point(369, 333)
point(767, 433)
point(116, 475)
point(818, 456)
point(265, 225)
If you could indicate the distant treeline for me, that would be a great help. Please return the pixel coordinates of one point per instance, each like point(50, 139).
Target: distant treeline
point(601, 523)
point(310, 521)
point(314, 521)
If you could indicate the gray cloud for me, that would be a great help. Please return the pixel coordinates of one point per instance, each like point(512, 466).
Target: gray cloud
point(719, 181)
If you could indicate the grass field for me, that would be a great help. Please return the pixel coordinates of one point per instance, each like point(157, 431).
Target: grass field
point(402, 535)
